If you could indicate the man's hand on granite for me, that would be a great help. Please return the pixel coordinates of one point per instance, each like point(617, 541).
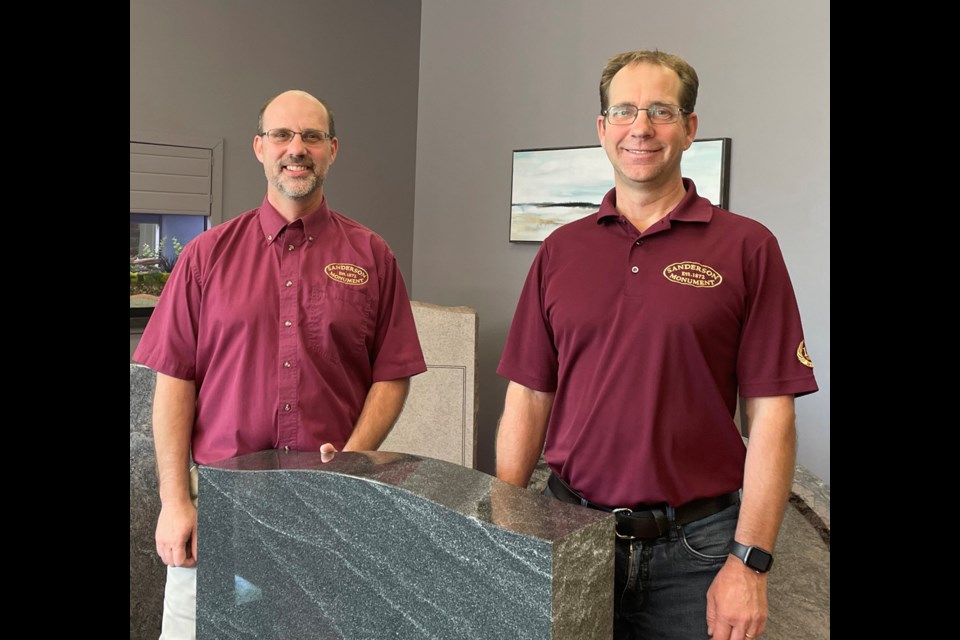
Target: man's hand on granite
point(327, 452)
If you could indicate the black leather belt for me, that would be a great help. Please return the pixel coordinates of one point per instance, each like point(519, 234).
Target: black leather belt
point(644, 522)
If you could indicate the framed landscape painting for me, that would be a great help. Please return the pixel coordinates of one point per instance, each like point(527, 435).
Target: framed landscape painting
point(552, 187)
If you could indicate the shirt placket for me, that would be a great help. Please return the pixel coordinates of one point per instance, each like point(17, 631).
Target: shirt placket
point(291, 254)
point(636, 257)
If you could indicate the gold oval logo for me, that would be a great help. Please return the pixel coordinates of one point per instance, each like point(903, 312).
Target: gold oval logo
point(692, 274)
point(346, 273)
point(803, 356)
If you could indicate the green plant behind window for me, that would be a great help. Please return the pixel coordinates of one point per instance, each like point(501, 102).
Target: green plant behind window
point(150, 268)
point(150, 259)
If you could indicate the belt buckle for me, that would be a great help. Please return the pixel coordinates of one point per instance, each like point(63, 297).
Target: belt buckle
point(625, 511)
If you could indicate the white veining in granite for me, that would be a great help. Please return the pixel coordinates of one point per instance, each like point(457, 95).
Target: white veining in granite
point(384, 545)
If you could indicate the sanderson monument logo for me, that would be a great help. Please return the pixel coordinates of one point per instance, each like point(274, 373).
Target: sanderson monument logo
point(692, 274)
point(346, 273)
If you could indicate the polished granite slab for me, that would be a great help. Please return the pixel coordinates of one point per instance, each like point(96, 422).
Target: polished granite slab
point(373, 545)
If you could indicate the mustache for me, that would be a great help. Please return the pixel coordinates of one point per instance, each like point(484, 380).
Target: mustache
point(304, 160)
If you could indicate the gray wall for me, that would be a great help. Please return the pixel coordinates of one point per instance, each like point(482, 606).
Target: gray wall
point(499, 75)
point(494, 76)
point(204, 68)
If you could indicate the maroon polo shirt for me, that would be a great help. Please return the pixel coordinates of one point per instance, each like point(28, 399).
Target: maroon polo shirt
point(283, 327)
point(646, 339)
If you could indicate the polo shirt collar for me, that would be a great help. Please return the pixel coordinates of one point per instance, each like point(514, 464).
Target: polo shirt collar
point(272, 223)
point(691, 208)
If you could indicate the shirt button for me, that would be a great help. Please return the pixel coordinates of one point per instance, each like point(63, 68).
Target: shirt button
point(290, 247)
point(288, 324)
point(310, 238)
point(269, 237)
point(288, 283)
point(286, 407)
point(287, 364)
point(634, 269)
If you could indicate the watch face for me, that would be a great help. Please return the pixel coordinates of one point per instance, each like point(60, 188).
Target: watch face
point(758, 559)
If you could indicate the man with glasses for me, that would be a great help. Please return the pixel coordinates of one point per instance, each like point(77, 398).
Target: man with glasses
point(288, 327)
point(636, 330)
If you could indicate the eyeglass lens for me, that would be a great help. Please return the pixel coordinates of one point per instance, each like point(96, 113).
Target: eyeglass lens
point(657, 113)
point(309, 136)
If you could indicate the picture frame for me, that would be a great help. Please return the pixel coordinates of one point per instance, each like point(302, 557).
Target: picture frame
point(553, 186)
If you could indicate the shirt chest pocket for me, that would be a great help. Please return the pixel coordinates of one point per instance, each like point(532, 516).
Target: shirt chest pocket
point(339, 321)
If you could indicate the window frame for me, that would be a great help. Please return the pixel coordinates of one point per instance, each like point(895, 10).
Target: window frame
point(214, 214)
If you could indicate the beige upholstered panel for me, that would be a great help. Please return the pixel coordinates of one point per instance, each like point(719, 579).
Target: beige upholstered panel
point(440, 417)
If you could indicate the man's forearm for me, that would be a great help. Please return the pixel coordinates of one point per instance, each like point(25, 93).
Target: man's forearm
point(521, 433)
point(380, 411)
point(174, 407)
point(768, 474)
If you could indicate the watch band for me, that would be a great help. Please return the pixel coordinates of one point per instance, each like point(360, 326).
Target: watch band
point(760, 560)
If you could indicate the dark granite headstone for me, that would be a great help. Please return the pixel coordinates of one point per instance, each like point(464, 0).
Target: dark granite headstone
point(376, 545)
point(148, 574)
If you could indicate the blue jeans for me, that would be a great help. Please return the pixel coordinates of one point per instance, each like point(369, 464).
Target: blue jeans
point(660, 586)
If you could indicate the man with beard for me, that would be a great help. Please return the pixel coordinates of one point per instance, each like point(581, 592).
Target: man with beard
point(288, 327)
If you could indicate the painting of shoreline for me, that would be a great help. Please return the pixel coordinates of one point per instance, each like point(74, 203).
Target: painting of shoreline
point(552, 187)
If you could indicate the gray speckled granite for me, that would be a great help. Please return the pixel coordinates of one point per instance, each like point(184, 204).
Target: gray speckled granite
point(799, 584)
point(814, 495)
point(147, 573)
point(377, 545)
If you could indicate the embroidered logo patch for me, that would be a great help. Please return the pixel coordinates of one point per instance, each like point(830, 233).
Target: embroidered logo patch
point(692, 274)
point(346, 273)
point(803, 356)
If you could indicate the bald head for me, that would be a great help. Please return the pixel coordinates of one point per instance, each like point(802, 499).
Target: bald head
point(295, 97)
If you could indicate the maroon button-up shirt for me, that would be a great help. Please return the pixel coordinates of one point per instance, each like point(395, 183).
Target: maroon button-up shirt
point(283, 327)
